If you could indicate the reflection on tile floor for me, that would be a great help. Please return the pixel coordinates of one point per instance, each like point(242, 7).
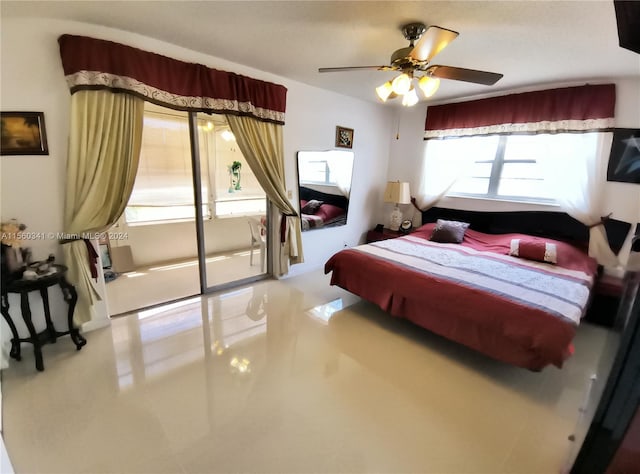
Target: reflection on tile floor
point(273, 378)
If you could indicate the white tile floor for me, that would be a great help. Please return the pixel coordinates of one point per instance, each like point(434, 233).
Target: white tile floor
point(288, 376)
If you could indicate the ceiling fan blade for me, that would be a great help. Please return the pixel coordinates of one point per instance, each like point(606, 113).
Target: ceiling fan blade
point(357, 68)
point(434, 40)
point(462, 74)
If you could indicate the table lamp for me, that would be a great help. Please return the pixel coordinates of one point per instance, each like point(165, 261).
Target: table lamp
point(397, 193)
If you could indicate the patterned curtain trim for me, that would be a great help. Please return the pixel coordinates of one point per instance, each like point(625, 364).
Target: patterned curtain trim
point(96, 79)
point(577, 108)
point(90, 63)
point(525, 128)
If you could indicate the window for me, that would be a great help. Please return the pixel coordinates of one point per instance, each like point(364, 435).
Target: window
point(506, 167)
point(163, 190)
point(228, 197)
point(316, 172)
point(327, 171)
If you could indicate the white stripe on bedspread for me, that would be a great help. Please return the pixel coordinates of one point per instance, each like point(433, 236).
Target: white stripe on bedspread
point(561, 292)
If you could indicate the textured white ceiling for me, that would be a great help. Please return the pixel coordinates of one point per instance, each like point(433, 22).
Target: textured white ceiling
point(531, 42)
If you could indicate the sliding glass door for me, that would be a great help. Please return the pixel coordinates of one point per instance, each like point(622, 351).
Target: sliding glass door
point(232, 228)
point(196, 218)
point(154, 258)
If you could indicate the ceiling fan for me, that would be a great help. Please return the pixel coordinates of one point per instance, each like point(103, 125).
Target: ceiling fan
point(416, 58)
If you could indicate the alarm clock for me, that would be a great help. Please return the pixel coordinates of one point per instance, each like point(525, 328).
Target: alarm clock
point(405, 226)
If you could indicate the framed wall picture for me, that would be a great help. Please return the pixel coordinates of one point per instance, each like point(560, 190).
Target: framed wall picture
point(23, 133)
point(344, 137)
point(624, 160)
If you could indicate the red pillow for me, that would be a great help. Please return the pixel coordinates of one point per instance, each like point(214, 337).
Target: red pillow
point(311, 207)
point(537, 250)
point(328, 212)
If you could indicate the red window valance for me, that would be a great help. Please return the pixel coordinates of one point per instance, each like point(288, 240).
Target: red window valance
point(589, 107)
point(91, 63)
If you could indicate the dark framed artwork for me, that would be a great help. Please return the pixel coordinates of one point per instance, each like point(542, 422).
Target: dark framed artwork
point(624, 160)
point(344, 137)
point(23, 133)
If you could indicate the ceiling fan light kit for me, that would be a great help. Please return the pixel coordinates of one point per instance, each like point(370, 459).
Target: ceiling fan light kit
point(410, 98)
point(384, 91)
point(429, 42)
point(428, 85)
point(401, 84)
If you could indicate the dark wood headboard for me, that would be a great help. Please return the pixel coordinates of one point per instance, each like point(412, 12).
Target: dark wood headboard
point(554, 225)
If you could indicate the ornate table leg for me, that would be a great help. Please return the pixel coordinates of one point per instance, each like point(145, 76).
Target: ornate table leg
point(71, 297)
point(15, 340)
point(51, 330)
point(33, 335)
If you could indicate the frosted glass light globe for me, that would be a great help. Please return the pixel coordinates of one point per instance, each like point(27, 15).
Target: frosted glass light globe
point(401, 84)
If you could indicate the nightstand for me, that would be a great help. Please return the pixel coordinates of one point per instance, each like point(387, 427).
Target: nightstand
point(375, 236)
point(607, 291)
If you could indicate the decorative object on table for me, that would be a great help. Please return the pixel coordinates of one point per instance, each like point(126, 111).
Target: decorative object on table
point(39, 269)
point(344, 137)
point(398, 193)
point(13, 265)
point(27, 255)
point(405, 226)
point(23, 133)
point(234, 176)
point(624, 159)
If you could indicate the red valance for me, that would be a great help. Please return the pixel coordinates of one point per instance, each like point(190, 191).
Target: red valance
point(589, 107)
point(91, 63)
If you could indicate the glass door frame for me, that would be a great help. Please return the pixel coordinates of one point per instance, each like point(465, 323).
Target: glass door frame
point(200, 235)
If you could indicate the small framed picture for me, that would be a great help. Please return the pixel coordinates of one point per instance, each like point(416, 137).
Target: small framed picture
point(344, 137)
point(624, 159)
point(23, 133)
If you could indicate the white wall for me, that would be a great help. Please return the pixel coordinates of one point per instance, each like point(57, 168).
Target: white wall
point(155, 243)
point(316, 131)
point(33, 186)
point(405, 162)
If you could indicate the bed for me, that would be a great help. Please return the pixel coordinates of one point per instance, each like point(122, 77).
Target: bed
point(517, 310)
point(319, 209)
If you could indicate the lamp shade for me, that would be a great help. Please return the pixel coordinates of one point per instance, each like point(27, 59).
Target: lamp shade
point(384, 91)
point(428, 85)
point(401, 84)
point(410, 98)
point(397, 192)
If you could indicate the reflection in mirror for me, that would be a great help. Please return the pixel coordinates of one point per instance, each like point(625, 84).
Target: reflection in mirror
point(324, 179)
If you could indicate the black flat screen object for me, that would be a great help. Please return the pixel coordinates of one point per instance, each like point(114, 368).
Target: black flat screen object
point(628, 20)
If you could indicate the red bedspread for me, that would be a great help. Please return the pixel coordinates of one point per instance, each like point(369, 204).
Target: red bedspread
point(514, 310)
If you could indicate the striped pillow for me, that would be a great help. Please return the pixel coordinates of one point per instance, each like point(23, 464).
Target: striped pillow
point(537, 250)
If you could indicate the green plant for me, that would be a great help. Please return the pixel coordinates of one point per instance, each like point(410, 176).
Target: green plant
point(235, 166)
